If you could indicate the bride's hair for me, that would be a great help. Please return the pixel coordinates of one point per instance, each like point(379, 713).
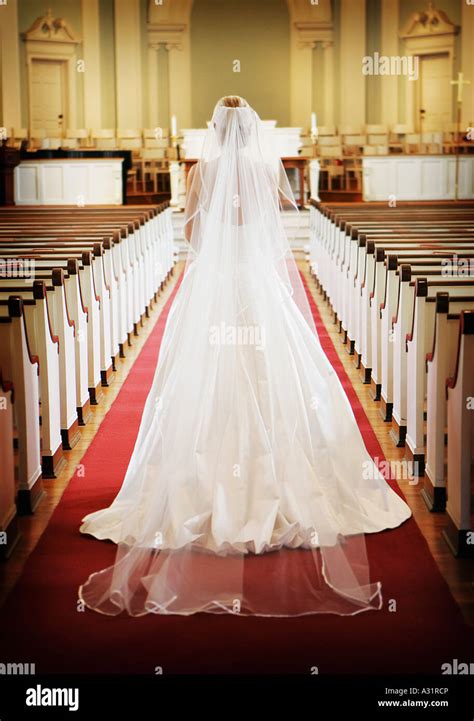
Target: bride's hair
point(232, 101)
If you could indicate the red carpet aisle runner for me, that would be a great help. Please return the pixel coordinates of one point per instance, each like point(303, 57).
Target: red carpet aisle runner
point(41, 624)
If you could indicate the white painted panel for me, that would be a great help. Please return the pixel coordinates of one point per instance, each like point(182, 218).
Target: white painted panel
point(451, 183)
point(380, 179)
point(428, 177)
point(26, 186)
point(105, 183)
point(408, 185)
point(76, 184)
point(432, 176)
point(466, 178)
point(51, 183)
point(69, 182)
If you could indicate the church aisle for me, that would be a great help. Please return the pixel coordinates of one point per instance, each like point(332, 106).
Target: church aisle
point(419, 628)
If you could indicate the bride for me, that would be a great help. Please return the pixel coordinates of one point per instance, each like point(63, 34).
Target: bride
point(249, 489)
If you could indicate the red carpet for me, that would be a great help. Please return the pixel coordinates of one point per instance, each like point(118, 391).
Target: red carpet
point(41, 622)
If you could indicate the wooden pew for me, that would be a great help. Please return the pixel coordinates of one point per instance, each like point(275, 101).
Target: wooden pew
point(401, 325)
point(419, 343)
point(137, 271)
point(22, 367)
point(441, 364)
point(372, 278)
point(104, 280)
point(69, 321)
point(98, 272)
point(99, 365)
point(45, 345)
point(9, 529)
point(380, 270)
point(460, 421)
point(107, 288)
point(346, 257)
point(351, 292)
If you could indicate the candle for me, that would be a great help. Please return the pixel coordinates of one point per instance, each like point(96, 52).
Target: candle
point(314, 124)
point(174, 126)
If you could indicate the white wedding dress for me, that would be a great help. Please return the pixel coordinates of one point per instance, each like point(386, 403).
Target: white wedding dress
point(248, 447)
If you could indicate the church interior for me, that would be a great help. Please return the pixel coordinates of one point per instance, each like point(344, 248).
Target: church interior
point(104, 106)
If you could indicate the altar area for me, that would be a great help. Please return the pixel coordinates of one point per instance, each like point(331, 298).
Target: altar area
point(287, 141)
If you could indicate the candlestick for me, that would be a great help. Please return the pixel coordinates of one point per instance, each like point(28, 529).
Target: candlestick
point(174, 126)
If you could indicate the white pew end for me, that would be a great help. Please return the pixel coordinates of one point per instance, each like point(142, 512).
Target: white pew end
point(23, 368)
point(9, 529)
point(460, 391)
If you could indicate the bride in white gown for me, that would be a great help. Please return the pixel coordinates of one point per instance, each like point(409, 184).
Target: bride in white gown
point(249, 489)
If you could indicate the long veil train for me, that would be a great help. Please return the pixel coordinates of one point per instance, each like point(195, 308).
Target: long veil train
point(249, 489)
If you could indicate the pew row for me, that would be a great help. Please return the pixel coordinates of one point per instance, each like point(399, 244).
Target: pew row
point(399, 281)
point(82, 283)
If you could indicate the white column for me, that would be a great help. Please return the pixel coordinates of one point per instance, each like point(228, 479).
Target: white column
point(152, 87)
point(179, 69)
point(389, 46)
point(328, 110)
point(352, 48)
point(301, 82)
point(467, 64)
point(10, 66)
point(91, 50)
point(128, 64)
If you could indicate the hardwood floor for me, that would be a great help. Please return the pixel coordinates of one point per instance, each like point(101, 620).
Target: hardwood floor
point(457, 572)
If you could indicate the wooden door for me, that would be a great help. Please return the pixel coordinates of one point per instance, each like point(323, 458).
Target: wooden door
point(435, 91)
point(48, 102)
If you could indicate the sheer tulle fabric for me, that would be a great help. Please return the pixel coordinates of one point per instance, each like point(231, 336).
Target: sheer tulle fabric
point(249, 489)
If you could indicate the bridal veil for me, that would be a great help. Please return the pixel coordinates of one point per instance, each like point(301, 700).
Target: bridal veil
point(249, 489)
